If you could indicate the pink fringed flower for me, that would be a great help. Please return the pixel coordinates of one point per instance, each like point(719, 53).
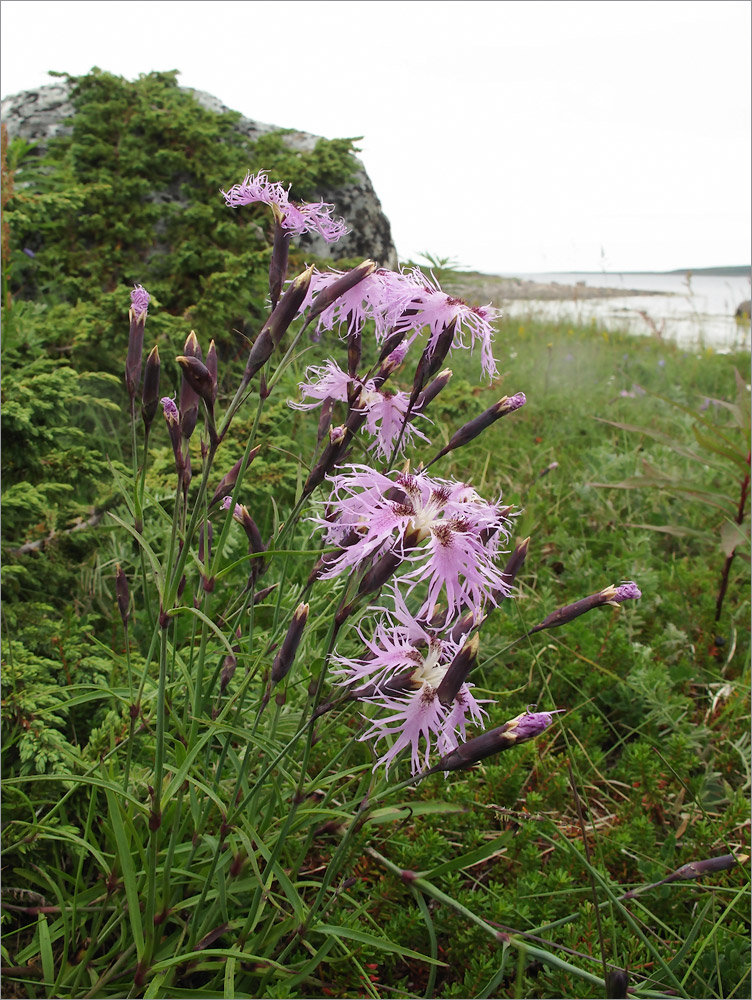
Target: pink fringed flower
point(304, 217)
point(402, 674)
point(436, 310)
point(386, 410)
point(377, 297)
point(448, 534)
point(409, 301)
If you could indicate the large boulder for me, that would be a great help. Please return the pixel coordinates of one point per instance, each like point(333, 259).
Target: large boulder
point(39, 115)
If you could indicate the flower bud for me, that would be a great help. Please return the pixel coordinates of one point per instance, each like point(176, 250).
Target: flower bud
point(123, 594)
point(150, 397)
point(137, 314)
point(189, 397)
point(518, 730)
point(172, 417)
point(474, 427)
point(512, 568)
point(432, 390)
point(457, 671)
point(284, 659)
point(341, 285)
point(198, 377)
point(609, 595)
point(275, 327)
point(432, 359)
point(278, 261)
point(229, 479)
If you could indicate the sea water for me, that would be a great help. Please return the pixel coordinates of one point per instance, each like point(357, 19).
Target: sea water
point(691, 310)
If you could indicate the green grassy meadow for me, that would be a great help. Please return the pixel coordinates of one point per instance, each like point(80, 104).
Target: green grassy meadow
point(532, 852)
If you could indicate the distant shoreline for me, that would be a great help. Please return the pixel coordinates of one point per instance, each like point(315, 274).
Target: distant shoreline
point(480, 287)
point(492, 287)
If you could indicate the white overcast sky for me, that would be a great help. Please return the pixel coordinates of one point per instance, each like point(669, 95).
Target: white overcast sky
point(511, 136)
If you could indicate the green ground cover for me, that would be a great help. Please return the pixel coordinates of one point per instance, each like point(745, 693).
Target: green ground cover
point(655, 738)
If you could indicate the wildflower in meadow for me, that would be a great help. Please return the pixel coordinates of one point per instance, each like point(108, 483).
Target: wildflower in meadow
point(385, 410)
point(406, 301)
point(403, 671)
point(444, 530)
point(296, 218)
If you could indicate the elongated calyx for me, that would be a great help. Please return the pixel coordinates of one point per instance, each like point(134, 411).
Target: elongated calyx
point(474, 427)
point(627, 591)
point(523, 727)
point(150, 397)
point(198, 377)
point(123, 594)
point(285, 658)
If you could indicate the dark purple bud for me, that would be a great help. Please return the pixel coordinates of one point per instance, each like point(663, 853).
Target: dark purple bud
point(609, 595)
point(617, 984)
point(549, 468)
point(278, 262)
point(395, 685)
point(29, 253)
point(354, 351)
point(465, 624)
point(391, 343)
point(696, 869)
point(228, 670)
point(284, 659)
point(432, 390)
point(150, 398)
point(457, 672)
point(263, 594)
point(474, 427)
point(338, 287)
point(228, 481)
point(512, 568)
point(123, 594)
point(432, 359)
point(198, 377)
point(275, 327)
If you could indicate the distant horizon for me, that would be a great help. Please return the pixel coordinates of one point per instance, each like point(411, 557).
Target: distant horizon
point(727, 270)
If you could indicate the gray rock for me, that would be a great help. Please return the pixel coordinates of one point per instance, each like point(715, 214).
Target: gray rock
point(39, 115)
point(744, 310)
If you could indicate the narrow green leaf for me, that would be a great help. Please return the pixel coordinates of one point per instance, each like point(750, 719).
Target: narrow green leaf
point(125, 859)
point(712, 445)
point(399, 812)
point(151, 555)
point(472, 857)
point(229, 990)
point(207, 621)
point(155, 986)
point(380, 944)
point(45, 951)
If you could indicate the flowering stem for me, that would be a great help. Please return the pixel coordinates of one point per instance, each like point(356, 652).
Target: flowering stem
point(155, 819)
point(500, 937)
